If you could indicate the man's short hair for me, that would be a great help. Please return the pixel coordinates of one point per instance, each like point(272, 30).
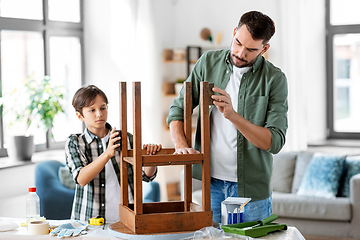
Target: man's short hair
point(85, 96)
point(260, 26)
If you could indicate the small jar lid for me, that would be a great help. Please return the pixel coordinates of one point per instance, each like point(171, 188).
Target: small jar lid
point(32, 189)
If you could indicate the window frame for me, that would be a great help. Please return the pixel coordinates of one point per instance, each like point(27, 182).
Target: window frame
point(331, 31)
point(47, 28)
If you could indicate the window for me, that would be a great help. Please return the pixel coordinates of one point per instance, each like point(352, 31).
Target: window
point(26, 9)
point(343, 68)
point(41, 38)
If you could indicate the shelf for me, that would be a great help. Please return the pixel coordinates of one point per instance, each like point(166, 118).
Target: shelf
point(169, 89)
point(173, 191)
point(190, 55)
point(174, 55)
point(175, 61)
point(180, 61)
point(193, 53)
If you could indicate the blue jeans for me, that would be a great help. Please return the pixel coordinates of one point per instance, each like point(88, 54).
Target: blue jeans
point(253, 211)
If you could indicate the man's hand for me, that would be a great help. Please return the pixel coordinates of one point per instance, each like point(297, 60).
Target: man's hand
point(178, 138)
point(223, 102)
point(185, 150)
point(257, 135)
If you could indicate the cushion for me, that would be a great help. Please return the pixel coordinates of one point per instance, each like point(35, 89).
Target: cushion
point(322, 176)
point(283, 171)
point(287, 205)
point(302, 161)
point(66, 178)
point(352, 168)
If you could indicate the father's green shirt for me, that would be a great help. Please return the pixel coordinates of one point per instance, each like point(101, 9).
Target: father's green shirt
point(262, 100)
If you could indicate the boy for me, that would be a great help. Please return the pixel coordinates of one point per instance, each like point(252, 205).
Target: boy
point(91, 158)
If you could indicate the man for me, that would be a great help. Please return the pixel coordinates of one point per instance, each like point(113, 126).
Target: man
point(249, 121)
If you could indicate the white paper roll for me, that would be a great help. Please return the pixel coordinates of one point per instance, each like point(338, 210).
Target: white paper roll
point(38, 228)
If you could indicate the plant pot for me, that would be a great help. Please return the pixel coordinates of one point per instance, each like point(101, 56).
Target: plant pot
point(178, 87)
point(20, 148)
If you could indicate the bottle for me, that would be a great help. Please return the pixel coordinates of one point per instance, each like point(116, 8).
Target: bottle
point(32, 205)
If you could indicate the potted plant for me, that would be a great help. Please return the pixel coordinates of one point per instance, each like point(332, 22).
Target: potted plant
point(30, 105)
point(179, 84)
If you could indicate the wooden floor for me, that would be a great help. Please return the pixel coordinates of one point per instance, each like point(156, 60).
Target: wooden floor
point(311, 237)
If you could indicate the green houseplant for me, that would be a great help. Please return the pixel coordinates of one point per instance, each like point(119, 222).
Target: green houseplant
point(32, 104)
point(179, 84)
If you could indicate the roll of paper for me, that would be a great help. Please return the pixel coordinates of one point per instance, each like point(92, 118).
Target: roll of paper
point(38, 228)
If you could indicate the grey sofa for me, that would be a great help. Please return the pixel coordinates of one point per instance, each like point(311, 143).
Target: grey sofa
point(338, 216)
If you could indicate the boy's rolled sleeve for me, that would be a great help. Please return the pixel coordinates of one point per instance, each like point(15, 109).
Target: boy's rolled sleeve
point(145, 178)
point(74, 158)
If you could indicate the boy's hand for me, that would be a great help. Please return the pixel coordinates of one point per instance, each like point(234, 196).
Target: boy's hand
point(111, 149)
point(152, 148)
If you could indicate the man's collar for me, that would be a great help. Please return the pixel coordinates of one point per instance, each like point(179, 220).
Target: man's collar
point(89, 136)
point(228, 57)
point(257, 63)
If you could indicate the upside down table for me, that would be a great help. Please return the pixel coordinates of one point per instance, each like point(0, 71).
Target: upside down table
point(163, 217)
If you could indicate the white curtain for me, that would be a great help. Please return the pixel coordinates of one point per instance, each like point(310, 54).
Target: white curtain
point(302, 33)
point(135, 52)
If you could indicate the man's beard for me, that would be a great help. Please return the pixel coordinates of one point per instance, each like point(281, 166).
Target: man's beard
point(245, 64)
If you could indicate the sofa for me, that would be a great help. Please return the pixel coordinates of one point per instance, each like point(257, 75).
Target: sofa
point(56, 190)
point(55, 198)
point(297, 174)
point(313, 213)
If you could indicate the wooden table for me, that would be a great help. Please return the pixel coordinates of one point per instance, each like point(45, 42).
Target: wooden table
point(97, 232)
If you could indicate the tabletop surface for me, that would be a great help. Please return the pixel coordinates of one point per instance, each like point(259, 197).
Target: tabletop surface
point(100, 232)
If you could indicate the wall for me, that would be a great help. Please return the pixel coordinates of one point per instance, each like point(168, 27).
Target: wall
point(15, 182)
point(101, 69)
point(14, 192)
point(113, 54)
point(109, 46)
point(218, 16)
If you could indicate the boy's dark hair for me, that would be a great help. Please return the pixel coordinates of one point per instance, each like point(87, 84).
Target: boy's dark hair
point(85, 96)
point(260, 26)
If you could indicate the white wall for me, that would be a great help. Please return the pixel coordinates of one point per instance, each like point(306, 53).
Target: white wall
point(17, 180)
point(107, 61)
point(100, 69)
point(218, 16)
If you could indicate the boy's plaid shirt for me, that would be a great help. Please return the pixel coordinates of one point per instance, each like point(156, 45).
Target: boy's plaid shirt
point(80, 150)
